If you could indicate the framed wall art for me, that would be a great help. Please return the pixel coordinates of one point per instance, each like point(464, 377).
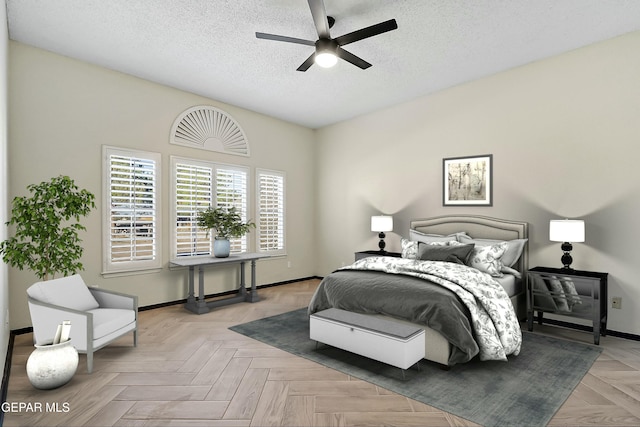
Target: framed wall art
point(467, 181)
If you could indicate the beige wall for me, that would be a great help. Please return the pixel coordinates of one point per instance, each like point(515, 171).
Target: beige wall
point(62, 111)
point(564, 134)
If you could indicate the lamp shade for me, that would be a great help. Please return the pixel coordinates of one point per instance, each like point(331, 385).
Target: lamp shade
point(381, 223)
point(566, 230)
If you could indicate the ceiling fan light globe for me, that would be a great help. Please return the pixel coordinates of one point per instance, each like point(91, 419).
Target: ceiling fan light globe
point(326, 59)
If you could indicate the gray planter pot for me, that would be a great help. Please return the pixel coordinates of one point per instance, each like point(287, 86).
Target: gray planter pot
point(221, 248)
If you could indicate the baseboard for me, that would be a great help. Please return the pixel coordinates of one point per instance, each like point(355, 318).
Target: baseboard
point(6, 372)
point(182, 301)
point(224, 294)
point(22, 331)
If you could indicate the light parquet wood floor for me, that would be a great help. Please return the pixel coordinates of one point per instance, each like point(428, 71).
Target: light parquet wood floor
point(190, 370)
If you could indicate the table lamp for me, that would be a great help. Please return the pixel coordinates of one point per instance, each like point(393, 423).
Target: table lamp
point(380, 224)
point(566, 231)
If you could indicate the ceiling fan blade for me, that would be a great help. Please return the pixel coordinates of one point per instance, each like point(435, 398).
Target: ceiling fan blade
point(350, 57)
point(364, 33)
point(284, 39)
point(308, 63)
point(320, 18)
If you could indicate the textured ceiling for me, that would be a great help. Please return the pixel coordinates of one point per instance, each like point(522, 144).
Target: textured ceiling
point(209, 47)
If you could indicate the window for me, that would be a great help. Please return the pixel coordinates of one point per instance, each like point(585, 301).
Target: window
point(231, 191)
point(131, 232)
point(270, 211)
point(193, 192)
point(197, 186)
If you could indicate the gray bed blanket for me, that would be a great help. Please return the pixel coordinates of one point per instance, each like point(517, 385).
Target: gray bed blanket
point(466, 306)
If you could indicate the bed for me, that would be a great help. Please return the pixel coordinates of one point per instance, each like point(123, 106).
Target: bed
point(422, 293)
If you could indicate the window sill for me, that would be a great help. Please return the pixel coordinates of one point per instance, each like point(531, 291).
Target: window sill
point(110, 274)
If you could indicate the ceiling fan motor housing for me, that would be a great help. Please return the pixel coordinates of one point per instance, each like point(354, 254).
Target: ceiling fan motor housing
point(326, 45)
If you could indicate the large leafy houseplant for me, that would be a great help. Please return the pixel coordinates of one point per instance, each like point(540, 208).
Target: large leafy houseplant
point(47, 223)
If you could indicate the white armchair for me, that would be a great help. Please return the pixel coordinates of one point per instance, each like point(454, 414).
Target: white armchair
point(97, 316)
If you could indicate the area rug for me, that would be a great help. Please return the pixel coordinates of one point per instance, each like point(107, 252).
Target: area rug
point(525, 391)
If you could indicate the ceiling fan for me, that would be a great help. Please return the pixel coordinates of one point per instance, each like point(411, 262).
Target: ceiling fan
point(328, 49)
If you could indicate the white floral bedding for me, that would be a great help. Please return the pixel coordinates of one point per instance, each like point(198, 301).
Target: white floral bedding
point(494, 320)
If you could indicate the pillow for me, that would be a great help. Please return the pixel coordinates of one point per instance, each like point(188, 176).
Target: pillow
point(409, 249)
point(431, 252)
point(512, 254)
point(564, 291)
point(430, 238)
point(555, 286)
point(70, 292)
point(487, 258)
point(570, 290)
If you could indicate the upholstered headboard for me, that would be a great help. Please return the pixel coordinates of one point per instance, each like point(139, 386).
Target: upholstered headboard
point(478, 227)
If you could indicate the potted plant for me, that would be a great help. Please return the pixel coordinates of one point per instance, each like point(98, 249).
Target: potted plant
point(46, 240)
point(226, 223)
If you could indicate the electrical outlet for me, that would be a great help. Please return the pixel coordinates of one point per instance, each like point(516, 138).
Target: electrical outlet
point(289, 264)
point(616, 302)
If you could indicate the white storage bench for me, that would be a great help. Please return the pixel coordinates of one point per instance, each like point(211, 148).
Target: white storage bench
point(396, 344)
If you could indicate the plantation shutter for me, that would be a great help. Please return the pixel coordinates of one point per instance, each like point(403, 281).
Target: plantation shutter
point(231, 191)
point(132, 210)
point(193, 193)
point(271, 211)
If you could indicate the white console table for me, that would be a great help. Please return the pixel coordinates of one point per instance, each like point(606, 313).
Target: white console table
point(199, 305)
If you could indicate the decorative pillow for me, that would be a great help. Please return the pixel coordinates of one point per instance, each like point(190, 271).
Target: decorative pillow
point(430, 238)
point(565, 294)
point(487, 258)
point(573, 298)
point(555, 287)
point(435, 252)
point(409, 249)
point(512, 254)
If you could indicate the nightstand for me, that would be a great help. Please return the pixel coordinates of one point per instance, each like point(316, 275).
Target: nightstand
point(590, 303)
point(365, 254)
